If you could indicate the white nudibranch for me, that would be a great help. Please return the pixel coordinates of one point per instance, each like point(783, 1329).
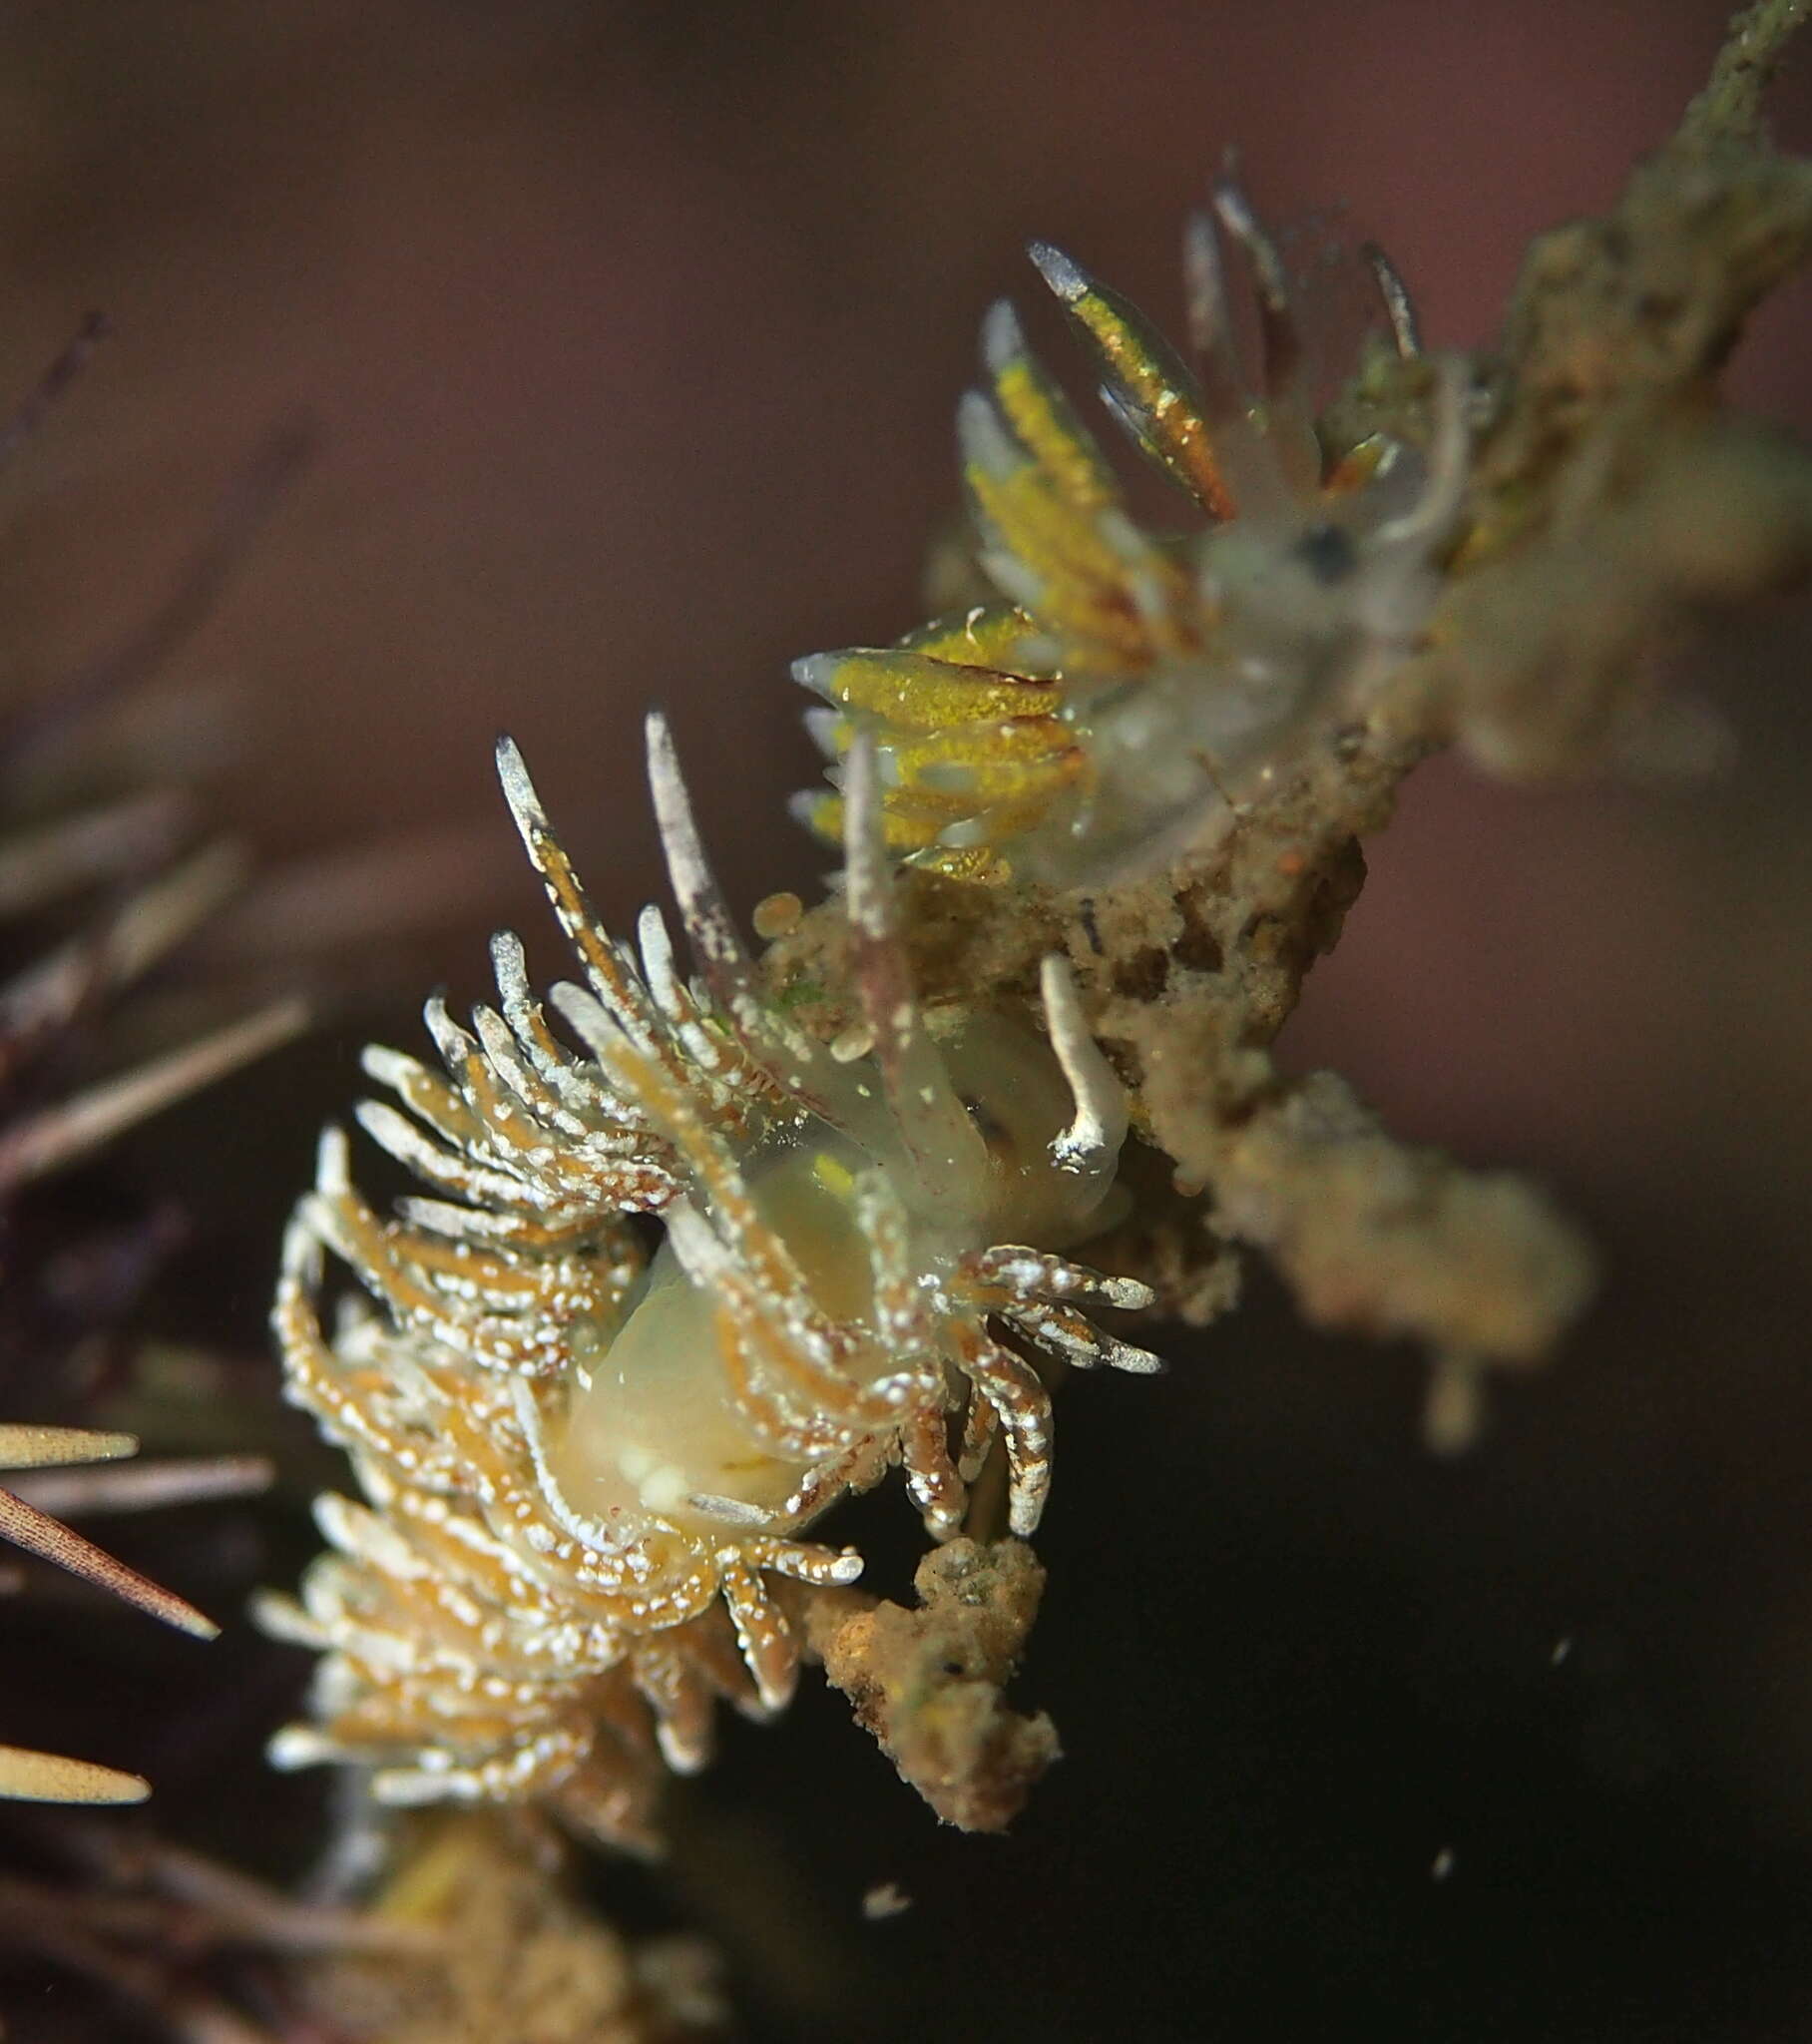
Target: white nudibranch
point(580, 1464)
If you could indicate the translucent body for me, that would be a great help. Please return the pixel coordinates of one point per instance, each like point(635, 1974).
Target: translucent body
point(1308, 608)
point(655, 1424)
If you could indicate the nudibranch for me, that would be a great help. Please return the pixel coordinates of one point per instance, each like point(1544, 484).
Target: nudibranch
point(1127, 688)
point(581, 1464)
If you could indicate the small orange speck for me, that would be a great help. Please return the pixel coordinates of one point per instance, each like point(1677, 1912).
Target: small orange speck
point(777, 915)
point(1291, 863)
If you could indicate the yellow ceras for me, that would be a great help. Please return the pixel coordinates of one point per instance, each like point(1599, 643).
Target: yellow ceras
point(1127, 689)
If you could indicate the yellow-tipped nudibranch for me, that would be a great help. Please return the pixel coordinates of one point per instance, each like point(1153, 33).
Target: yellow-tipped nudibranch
point(1126, 690)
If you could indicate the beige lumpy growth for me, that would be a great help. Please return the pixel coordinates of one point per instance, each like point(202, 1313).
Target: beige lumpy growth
point(654, 1421)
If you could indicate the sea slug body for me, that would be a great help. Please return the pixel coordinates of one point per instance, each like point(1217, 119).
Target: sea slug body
point(1127, 691)
point(581, 1464)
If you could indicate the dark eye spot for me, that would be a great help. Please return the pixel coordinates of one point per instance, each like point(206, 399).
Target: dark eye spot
point(1328, 552)
point(993, 1131)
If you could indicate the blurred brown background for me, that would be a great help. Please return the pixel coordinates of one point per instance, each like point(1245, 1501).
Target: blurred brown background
point(634, 332)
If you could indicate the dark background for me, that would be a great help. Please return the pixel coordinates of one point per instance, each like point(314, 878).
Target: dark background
point(635, 334)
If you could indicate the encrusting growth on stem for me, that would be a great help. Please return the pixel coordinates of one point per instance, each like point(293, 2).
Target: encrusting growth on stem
point(927, 1683)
